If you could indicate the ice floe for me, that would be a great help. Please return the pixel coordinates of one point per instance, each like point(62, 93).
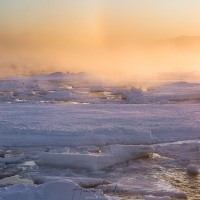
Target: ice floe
point(192, 169)
point(134, 96)
point(59, 190)
point(150, 197)
point(62, 95)
point(84, 182)
point(2, 152)
point(12, 159)
point(21, 92)
point(143, 187)
point(93, 162)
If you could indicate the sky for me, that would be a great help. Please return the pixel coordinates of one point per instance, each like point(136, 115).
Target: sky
point(112, 38)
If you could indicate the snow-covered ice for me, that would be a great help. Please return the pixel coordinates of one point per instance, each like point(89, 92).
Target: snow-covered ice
point(57, 190)
point(2, 152)
point(150, 197)
point(118, 154)
point(192, 169)
point(134, 96)
point(84, 182)
point(58, 95)
point(82, 88)
point(12, 159)
point(144, 187)
point(141, 142)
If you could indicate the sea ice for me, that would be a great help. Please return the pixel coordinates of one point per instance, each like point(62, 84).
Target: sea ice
point(192, 169)
point(134, 96)
point(2, 152)
point(62, 95)
point(94, 162)
point(43, 92)
point(12, 159)
point(60, 150)
point(81, 181)
point(97, 88)
point(150, 197)
point(147, 186)
point(23, 92)
point(57, 190)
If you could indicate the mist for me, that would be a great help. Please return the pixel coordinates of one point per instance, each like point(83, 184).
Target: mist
point(116, 40)
point(152, 60)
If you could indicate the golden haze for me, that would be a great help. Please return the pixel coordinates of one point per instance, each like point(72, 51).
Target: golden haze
point(105, 38)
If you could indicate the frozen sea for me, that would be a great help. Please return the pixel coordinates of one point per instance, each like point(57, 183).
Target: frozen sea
point(70, 136)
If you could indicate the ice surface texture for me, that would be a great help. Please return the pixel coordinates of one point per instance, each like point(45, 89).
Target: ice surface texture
point(84, 125)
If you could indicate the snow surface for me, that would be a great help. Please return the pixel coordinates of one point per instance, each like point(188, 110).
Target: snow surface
point(84, 125)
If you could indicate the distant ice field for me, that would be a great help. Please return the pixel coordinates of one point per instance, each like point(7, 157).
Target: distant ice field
point(81, 88)
point(100, 124)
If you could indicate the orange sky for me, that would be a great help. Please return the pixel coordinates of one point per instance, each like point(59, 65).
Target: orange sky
point(114, 38)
